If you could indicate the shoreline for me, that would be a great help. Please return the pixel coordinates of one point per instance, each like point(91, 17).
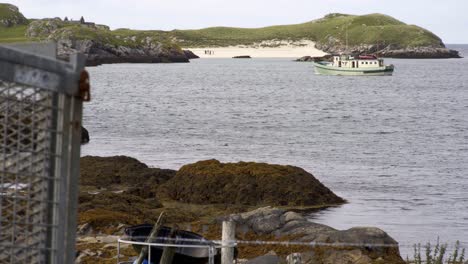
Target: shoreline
point(265, 49)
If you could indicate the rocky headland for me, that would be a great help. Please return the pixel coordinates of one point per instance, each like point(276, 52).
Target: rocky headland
point(119, 191)
point(100, 46)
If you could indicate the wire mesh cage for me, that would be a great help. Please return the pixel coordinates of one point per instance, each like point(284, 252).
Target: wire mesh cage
point(40, 126)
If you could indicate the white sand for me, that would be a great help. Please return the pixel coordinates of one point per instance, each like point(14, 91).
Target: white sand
point(265, 49)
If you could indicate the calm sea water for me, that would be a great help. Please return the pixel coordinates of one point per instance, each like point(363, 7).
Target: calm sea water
point(395, 147)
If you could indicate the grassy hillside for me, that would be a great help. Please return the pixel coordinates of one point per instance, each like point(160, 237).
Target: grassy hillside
point(12, 24)
point(330, 30)
point(366, 29)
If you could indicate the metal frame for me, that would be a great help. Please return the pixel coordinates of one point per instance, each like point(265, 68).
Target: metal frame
point(40, 132)
point(211, 248)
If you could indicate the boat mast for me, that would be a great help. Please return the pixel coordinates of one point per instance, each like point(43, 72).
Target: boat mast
point(346, 50)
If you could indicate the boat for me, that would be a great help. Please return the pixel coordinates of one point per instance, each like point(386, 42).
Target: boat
point(369, 65)
point(195, 255)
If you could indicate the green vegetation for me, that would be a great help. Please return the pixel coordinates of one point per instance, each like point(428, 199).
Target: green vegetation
point(330, 30)
point(437, 255)
point(13, 34)
point(10, 16)
point(366, 29)
point(247, 183)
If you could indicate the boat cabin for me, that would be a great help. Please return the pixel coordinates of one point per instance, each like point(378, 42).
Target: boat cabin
point(362, 61)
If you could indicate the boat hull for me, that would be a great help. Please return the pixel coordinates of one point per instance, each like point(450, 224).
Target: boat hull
point(139, 233)
point(330, 70)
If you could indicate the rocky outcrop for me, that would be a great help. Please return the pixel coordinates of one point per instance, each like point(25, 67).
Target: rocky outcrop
point(190, 55)
point(242, 57)
point(10, 16)
point(419, 53)
point(362, 245)
point(310, 58)
point(43, 28)
point(393, 51)
point(247, 183)
point(101, 46)
point(98, 52)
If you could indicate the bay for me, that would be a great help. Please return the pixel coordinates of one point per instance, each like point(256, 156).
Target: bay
point(396, 147)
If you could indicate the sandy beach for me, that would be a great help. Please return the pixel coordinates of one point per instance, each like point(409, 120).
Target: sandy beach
point(270, 49)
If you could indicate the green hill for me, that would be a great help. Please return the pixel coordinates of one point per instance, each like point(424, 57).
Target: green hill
point(13, 24)
point(366, 29)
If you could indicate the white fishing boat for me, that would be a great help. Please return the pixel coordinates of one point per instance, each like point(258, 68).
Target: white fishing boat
point(369, 65)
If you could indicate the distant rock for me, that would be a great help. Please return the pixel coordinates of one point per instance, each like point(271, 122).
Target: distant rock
point(419, 53)
point(242, 57)
point(190, 55)
point(311, 59)
point(98, 52)
point(247, 183)
point(393, 51)
point(10, 16)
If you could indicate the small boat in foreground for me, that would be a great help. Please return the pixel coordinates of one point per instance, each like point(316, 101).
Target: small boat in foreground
point(195, 255)
point(369, 65)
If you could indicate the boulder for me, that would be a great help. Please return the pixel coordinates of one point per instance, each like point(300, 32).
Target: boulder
point(242, 57)
point(361, 245)
point(247, 183)
point(84, 135)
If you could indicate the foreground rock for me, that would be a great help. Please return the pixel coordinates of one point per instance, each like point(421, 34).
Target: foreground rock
point(362, 245)
point(247, 183)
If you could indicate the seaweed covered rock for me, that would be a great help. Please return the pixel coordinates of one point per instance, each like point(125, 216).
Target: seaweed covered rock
point(109, 209)
point(247, 183)
point(102, 172)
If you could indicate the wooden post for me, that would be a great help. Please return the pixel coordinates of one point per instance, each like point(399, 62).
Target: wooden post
point(154, 233)
point(228, 236)
point(168, 252)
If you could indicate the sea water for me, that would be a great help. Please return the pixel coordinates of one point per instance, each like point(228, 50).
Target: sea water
point(395, 147)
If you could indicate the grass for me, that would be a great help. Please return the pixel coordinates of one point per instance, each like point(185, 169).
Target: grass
point(437, 254)
point(13, 34)
point(366, 29)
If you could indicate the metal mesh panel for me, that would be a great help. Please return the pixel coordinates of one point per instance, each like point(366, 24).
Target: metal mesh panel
point(26, 122)
point(40, 121)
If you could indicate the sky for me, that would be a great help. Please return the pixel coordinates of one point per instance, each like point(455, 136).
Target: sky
point(446, 18)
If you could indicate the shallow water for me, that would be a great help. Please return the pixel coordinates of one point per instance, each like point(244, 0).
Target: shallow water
point(395, 147)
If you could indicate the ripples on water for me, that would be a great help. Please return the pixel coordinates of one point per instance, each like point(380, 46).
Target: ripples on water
point(394, 147)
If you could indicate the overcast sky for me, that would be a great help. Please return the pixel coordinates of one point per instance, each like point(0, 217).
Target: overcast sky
point(446, 18)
